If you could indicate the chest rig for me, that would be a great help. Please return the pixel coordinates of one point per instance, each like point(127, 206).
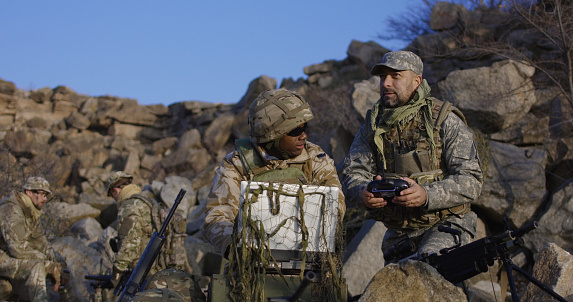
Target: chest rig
point(254, 166)
point(408, 152)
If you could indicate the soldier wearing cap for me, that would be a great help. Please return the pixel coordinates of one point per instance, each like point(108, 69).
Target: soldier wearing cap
point(412, 136)
point(276, 150)
point(26, 257)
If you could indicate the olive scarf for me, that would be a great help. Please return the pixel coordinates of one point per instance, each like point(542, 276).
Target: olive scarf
point(389, 118)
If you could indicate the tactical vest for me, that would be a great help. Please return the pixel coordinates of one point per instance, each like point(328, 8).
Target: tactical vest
point(173, 253)
point(408, 152)
point(254, 167)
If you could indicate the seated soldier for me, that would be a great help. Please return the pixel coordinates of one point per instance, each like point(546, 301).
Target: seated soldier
point(26, 256)
point(279, 151)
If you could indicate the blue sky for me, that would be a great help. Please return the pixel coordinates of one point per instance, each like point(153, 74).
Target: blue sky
point(163, 52)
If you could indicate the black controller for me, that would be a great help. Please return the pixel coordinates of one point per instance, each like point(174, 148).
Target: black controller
point(387, 188)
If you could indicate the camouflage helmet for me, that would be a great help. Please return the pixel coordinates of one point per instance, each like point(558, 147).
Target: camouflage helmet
point(178, 281)
point(275, 112)
point(158, 295)
point(114, 178)
point(37, 184)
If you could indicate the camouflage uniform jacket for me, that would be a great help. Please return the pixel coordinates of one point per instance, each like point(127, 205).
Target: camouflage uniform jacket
point(459, 163)
point(134, 228)
point(223, 200)
point(21, 235)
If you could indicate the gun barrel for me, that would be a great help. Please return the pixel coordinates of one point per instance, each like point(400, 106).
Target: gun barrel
point(98, 277)
point(149, 255)
point(524, 229)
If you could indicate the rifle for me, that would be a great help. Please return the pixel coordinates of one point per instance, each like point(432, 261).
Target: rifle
point(101, 281)
point(105, 281)
point(459, 263)
point(149, 255)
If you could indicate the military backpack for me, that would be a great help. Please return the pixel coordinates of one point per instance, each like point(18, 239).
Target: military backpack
point(173, 253)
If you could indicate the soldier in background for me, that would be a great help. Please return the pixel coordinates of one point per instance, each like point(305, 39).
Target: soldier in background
point(139, 216)
point(26, 257)
point(424, 141)
point(277, 127)
point(135, 226)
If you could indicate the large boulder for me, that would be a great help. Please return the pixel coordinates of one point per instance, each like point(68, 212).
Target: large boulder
point(555, 225)
point(492, 98)
point(411, 280)
point(514, 183)
point(363, 257)
point(554, 268)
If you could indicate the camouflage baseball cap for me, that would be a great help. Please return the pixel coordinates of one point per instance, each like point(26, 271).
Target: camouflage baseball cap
point(37, 184)
point(275, 112)
point(399, 60)
point(114, 178)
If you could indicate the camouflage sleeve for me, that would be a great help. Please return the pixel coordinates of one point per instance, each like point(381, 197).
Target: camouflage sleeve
point(41, 244)
point(324, 174)
point(359, 168)
point(464, 180)
point(223, 204)
point(15, 232)
point(134, 229)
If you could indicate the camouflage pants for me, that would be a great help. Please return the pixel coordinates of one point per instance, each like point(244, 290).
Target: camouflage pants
point(26, 275)
point(433, 240)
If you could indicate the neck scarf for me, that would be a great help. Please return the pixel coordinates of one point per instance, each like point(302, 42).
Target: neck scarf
point(272, 147)
point(27, 202)
point(392, 117)
point(126, 192)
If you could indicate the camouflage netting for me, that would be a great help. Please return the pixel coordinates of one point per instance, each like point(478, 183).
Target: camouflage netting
point(250, 256)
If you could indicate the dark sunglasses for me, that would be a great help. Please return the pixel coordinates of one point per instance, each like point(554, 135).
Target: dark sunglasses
point(298, 130)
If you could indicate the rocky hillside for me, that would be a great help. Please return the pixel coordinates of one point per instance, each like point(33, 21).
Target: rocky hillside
point(75, 141)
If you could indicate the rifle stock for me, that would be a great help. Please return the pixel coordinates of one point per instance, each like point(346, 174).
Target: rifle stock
point(149, 255)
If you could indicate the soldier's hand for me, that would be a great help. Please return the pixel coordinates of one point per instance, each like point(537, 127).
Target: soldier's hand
point(57, 276)
point(54, 269)
point(414, 196)
point(373, 202)
point(116, 277)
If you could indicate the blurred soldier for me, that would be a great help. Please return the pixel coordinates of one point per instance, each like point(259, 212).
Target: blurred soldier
point(26, 257)
point(424, 141)
point(276, 151)
point(139, 216)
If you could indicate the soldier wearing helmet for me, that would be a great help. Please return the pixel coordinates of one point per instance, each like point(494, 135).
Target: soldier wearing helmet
point(26, 257)
point(276, 150)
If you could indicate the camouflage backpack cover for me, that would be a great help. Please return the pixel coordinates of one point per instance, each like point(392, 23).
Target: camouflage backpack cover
point(173, 253)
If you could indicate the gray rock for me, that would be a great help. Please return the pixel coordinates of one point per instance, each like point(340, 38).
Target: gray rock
point(514, 183)
point(508, 97)
point(365, 95)
point(411, 281)
point(556, 224)
point(554, 268)
point(364, 258)
point(87, 229)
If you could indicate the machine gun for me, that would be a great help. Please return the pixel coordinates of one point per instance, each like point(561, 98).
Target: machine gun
point(149, 255)
point(459, 263)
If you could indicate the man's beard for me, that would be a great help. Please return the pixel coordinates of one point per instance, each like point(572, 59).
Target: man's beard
point(398, 101)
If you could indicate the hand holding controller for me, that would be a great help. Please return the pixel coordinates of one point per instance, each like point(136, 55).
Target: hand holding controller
point(387, 188)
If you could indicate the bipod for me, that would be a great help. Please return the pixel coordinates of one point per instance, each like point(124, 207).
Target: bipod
point(510, 267)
